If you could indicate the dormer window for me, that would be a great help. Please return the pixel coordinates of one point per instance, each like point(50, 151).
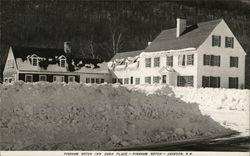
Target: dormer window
point(216, 40)
point(34, 60)
point(62, 61)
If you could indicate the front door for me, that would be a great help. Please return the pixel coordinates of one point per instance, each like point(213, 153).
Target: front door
point(164, 79)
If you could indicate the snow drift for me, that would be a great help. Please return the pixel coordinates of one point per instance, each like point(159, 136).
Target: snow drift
point(58, 116)
point(229, 107)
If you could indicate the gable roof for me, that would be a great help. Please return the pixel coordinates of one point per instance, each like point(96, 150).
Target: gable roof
point(122, 55)
point(192, 37)
point(23, 52)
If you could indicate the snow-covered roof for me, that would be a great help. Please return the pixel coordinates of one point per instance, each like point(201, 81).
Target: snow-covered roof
point(127, 54)
point(193, 36)
point(51, 58)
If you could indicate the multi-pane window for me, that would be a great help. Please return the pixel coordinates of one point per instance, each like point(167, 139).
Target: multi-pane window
point(233, 82)
point(216, 40)
point(126, 80)
point(190, 59)
point(156, 79)
point(229, 42)
point(97, 81)
point(42, 77)
point(210, 81)
point(28, 78)
point(234, 61)
point(137, 80)
point(92, 80)
point(10, 63)
point(147, 62)
point(58, 78)
point(211, 60)
point(87, 80)
point(157, 62)
point(71, 79)
point(170, 61)
point(120, 80)
point(34, 61)
point(184, 81)
point(63, 62)
point(102, 80)
point(148, 79)
point(181, 60)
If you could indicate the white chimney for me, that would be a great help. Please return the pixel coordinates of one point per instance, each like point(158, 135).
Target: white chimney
point(149, 43)
point(181, 26)
point(67, 47)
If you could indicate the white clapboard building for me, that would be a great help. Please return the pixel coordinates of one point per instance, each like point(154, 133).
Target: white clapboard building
point(202, 55)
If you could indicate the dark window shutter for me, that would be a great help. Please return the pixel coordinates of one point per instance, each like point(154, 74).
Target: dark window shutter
point(219, 41)
point(232, 42)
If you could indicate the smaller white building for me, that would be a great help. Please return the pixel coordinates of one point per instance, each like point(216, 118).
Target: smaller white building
point(202, 55)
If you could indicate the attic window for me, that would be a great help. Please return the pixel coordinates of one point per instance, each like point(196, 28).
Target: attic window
point(34, 60)
point(229, 42)
point(62, 61)
point(216, 41)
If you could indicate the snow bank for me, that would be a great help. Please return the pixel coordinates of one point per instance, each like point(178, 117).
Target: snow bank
point(58, 116)
point(229, 107)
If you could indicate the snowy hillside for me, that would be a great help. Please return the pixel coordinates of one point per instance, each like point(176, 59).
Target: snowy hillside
point(229, 107)
point(54, 116)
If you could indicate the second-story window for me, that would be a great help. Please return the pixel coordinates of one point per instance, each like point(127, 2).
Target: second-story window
point(190, 59)
point(62, 61)
point(157, 62)
point(234, 61)
point(148, 62)
point(170, 61)
point(211, 60)
point(216, 40)
point(181, 60)
point(229, 42)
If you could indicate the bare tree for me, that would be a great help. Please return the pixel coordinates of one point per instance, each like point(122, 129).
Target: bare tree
point(116, 42)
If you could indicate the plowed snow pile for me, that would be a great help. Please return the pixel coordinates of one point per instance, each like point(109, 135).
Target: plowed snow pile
point(56, 116)
point(229, 107)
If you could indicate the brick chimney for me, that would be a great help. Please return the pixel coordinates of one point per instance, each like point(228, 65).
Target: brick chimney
point(67, 48)
point(181, 26)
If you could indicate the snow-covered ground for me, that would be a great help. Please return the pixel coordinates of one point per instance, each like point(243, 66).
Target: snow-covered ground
point(75, 116)
point(229, 107)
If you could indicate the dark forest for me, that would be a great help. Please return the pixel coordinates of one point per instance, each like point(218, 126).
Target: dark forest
point(93, 26)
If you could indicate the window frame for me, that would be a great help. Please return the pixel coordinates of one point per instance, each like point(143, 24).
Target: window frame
point(27, 75)
point(234, 64)
point(42, 76)
point(211, 81)
point(229, 42)
point(60, 77)
point(62, 59)
point(148, 62)
point(157, 61)
point(182, 81)
point(74, 78)
point(190, 62)
point(235, 81)
point(148, 78)
point(169, 61)
point(156, 79)
point(137, 80)
point(216, 41)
